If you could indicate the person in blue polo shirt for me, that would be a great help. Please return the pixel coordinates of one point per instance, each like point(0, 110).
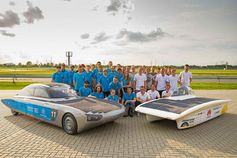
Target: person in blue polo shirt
point(98, 94)
point(113, 97)
point(85, 91)
point(120, 75)
point(88, 75)
point(65, 74)
point(98, 75)
point(95, 70)
point(78, 79)
point(129, 99)
point(113, 72)
point(105, 80)
point(115, 85)
point(57, 76)
point(71, 73)
point(109, 66)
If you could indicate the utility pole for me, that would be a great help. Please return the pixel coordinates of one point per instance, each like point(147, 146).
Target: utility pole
point(69, 55)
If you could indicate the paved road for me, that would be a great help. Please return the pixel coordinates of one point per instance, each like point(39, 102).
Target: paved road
point(23, 136)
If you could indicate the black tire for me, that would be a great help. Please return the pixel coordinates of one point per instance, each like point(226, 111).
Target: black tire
point(69, 124)
point(15, 113)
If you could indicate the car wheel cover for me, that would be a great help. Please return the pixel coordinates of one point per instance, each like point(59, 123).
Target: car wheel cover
point(69, 124)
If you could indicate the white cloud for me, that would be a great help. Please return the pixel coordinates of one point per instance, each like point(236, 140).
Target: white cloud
point(101, 37)
point(9, 19)
point(85, 36)
point(32, 14)
point(5, 33)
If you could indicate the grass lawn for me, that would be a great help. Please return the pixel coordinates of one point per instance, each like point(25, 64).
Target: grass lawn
point(47, 72)
point(213, 86)
point(12, 86)
point(195, 86)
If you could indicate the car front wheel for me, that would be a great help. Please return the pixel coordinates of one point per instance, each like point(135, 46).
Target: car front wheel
point(15, 113)
point(69, 124)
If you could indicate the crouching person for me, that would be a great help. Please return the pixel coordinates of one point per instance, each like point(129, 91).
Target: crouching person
point(128, 101)
point(113, 97)
point(142, 96)
point(167, 92)
point(85, 91)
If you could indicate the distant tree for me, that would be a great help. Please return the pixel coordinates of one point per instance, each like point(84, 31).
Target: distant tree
point(28, 63)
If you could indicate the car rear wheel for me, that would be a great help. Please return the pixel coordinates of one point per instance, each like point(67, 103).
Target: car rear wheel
point(15, 113)
point(69, 124)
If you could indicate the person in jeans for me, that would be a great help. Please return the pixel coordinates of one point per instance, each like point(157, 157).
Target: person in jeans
point(185, 76)
point(129, 99)
point(160, 81)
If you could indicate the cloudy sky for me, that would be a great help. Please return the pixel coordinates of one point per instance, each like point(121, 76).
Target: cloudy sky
point(147, 32)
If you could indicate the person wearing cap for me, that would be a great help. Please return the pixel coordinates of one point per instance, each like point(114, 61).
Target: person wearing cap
point(104, 81)
point(57, 77)
point(129, 99)
point(78, 79)
point(71, 73)
point(88, 75)
point(185, 76)
point(65, 74)
point(167, 92)
point(85, 91)
point(115, 85)
point(83, 67)
point(98, 94)
point(113, 97)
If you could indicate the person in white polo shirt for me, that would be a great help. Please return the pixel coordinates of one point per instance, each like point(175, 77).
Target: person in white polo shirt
point(140, 80)
point(167, 92)
point(142, 96)
point(185, 76)
point(173, 79)
point(153, 93)
point(160, 81)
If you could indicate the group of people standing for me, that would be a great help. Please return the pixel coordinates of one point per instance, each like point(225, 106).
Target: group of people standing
point(123, 84)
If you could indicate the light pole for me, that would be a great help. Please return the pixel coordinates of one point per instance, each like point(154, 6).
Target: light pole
point(69, 55)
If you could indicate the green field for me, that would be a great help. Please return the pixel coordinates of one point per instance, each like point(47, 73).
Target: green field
point(195, 86)
point(47, 72)
point(13, 86)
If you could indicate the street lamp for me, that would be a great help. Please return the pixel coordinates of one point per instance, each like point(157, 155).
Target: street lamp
point(69, 55)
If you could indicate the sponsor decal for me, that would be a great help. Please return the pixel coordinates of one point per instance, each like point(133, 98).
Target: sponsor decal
point(224, 109)
point(185, 124)
point(30, 109)
point(209, 113)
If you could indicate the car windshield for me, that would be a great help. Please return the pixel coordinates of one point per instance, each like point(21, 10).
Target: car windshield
point(183, 91)
point(61, 92)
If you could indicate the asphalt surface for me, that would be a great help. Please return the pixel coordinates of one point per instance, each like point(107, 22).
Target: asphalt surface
point(22, 136)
